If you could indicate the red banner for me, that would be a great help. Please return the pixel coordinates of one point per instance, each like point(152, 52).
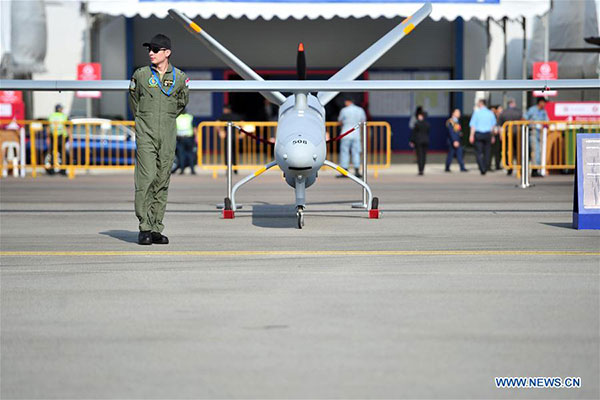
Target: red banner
point(11, 105)
point(545, 71)
point(573, 111)
point(89, 72)
point(11, 96)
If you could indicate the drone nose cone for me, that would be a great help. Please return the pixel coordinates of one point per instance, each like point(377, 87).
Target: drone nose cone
point(300, 155)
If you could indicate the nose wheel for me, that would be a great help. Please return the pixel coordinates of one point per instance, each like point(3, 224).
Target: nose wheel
point(300, 216)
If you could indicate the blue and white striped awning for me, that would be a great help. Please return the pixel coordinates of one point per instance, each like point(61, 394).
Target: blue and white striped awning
point(312, 9)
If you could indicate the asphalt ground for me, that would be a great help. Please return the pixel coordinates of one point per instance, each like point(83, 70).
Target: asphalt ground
point(464, 279)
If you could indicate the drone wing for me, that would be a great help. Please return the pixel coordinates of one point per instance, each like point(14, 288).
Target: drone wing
point(317, 86)
point(360, 64)
point(228, 57)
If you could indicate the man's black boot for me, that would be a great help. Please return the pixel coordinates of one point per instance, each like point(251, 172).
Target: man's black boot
point(357, 173)
point(158, 238)
point(145, 237)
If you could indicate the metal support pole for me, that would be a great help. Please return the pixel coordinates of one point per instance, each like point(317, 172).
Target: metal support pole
point(486, 94)
point(524, 65)
point(546, 19)
point(363, 132)
point(505, 66)
point(229, 161)
point(524, 157)
point(22, 151)
point(88, 51)
point(544, 149)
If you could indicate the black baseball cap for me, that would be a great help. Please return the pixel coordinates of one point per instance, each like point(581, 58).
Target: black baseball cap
point(159, 40)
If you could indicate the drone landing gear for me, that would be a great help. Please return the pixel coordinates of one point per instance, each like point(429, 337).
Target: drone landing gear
point(229, 204)
point(374, 211)
point(228, 212)
point(300, 191)
point(372, 203)
point(300, 216)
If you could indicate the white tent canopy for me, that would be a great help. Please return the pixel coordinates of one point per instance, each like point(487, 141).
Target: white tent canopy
point(312, 9)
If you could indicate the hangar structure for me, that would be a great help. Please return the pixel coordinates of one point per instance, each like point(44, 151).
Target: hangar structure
point(462, 39)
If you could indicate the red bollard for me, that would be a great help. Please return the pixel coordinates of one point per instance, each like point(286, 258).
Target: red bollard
point(374, 214)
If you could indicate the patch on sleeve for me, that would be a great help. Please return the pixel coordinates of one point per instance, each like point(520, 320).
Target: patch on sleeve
point(187, 82)
point(132, 84)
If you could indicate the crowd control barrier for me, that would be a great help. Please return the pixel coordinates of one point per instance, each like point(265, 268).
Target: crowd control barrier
point(89, 144)
point(255, 149)
point(557, 141)
point(64, 147)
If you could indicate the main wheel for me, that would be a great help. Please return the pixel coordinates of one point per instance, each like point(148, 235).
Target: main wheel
point(375, 203)
point(227, 203)
point(300, 217)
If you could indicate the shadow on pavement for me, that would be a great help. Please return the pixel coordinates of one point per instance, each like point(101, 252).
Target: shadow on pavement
point(274, 216)
point(125, 236)
point(567, 225)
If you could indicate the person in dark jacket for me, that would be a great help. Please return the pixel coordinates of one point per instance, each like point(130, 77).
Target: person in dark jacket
point(512, 113)
point(419, 140)
point(454, 147)
point(496, 150)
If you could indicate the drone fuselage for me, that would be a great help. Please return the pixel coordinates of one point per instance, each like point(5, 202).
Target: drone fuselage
point(300, 145)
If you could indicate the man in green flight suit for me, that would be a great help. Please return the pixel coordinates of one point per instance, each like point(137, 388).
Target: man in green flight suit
point(157, 95)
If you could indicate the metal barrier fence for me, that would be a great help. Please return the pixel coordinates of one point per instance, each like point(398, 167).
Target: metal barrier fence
point(250, 154)
point(556, 141)
point(70, 145)
point(83, 144)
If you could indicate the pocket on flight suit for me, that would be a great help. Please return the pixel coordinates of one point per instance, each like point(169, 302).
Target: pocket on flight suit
point(145, 102)
point(171, 107)
point(180, 100)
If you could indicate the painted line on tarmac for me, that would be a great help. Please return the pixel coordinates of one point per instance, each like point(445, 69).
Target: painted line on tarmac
point(304, 253)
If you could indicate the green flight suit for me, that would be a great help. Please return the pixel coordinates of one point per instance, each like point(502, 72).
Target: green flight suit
point(155, 134)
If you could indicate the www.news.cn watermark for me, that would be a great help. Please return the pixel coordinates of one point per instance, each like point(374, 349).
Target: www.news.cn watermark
point(537, 382)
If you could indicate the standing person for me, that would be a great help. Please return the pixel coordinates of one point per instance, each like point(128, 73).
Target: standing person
point(413, 118)
point(496, 148)
point(537, 113)
point(229, 115)
point(186, 142)
point(57, 128)
point(454, 136)
point(482, 123)
point(419, 140)
point(157, 94)
point(512, 113)
point(350, 116)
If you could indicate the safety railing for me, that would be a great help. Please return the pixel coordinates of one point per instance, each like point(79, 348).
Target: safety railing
point(550, 145)
point(250, 152)
point(63, 147)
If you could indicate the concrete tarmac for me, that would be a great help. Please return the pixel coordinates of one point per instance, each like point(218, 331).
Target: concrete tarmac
point(464, 279)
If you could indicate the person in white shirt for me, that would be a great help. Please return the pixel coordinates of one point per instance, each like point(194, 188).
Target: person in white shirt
point(350, 116)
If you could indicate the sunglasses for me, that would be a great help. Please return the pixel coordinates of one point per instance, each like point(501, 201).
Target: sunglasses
point(155, 49)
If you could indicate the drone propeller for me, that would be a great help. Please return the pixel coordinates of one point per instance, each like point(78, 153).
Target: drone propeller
point(301, 63)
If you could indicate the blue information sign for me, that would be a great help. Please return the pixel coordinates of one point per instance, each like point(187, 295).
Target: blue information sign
point(586, 198)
